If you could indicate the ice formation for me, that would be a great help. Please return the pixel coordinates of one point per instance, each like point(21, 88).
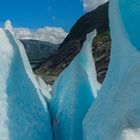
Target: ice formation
point(38, 82)
point(115, 115)
point(24, 113)
point(45, 89)
point(73, 93)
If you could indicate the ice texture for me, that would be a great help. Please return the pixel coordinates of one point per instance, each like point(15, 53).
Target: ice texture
point(73, 93)
point(115, 114)
point(24, 113)
point(45, 89)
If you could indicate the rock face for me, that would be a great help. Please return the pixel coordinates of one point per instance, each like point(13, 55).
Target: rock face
point(115, 114)
point(73, 93)
point(97, 19)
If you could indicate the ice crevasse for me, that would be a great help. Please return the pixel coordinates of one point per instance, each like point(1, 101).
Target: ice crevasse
point(24, 113)
point(115, 115)
point(73, 93)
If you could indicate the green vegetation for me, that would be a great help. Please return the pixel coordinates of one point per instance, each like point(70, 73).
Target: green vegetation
point(102, 38)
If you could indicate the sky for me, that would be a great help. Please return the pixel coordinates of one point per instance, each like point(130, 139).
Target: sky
point(39, 13)
point(33, 18)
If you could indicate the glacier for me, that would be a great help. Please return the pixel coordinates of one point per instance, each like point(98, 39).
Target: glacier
point(115, 114)
point(78, 107)
point(73, 93)
point(44, 88)
point(24, 113)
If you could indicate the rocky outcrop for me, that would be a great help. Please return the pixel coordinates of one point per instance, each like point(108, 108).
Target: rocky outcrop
point(96, 19)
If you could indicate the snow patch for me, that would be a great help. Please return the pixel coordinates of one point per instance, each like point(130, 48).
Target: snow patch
point(130, 134)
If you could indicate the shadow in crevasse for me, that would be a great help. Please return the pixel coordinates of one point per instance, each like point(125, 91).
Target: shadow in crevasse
point(27, 118)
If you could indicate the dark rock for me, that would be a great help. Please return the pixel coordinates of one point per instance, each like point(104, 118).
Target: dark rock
point(96, 19)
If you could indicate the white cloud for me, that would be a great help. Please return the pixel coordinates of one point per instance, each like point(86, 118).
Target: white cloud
point(92, 4)
point(54, 35)
point(53, 17)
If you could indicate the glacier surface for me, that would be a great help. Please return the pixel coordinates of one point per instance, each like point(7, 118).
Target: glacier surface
point(76, 113)
point(24, 113)
point(115, 115)
point(73, 93)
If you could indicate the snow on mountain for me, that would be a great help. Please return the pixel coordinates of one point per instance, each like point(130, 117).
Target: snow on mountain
point(24, 113)
point(90, 5)
point(73, 93)
point(54, 35)
point(115, 114)
point(8, 26)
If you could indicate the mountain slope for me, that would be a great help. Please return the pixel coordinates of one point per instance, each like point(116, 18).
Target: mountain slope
point(38, 50)
point(96, 19)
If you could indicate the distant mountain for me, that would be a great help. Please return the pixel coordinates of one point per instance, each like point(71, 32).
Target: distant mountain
point(55, 35)
point(38, 50)
point(96, 19)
